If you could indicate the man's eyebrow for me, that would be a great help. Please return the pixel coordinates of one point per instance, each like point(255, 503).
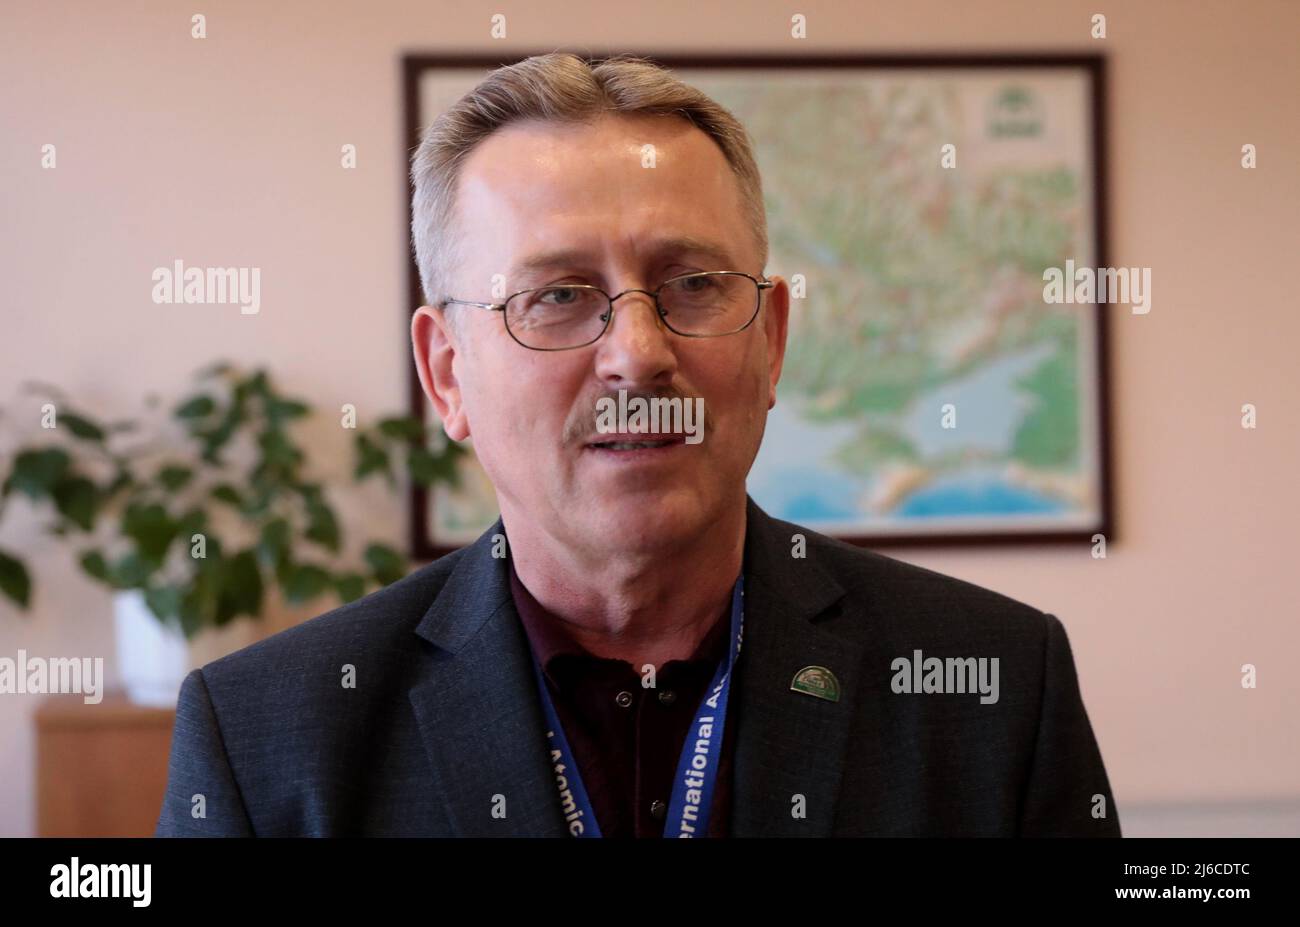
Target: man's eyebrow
point(668, 247)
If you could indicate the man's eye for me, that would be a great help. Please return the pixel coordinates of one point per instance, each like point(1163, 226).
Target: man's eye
point(561, 296)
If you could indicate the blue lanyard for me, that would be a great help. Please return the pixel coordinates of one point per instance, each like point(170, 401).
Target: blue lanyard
point(697, 769)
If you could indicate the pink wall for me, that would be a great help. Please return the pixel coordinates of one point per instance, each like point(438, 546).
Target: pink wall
point(226, 151)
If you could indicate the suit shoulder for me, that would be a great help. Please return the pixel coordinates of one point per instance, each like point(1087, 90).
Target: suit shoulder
point(895, 590)
point(376, 622)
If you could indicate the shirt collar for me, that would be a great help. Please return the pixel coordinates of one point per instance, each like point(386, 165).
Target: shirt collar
point(549, 639)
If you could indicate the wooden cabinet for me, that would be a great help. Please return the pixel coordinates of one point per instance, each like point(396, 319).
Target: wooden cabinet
point(101, 770)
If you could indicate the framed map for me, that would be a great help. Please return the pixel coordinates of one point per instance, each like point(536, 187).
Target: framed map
point(930, 394)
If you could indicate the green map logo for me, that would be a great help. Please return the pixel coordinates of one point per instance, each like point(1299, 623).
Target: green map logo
point(1015, 113)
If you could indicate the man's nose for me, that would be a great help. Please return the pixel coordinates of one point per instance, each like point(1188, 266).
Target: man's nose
point(636, 348)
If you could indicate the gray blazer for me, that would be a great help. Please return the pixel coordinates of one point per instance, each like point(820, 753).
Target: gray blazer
point(442, 735)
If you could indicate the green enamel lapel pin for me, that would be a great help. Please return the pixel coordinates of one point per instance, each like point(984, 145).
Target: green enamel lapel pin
point(818, 682)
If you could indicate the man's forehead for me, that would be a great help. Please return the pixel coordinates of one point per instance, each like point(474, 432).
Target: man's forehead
point(544, 194)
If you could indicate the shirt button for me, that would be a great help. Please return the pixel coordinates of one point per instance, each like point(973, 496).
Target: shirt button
point(658, 810)
point(623, 699)
point(667, 696)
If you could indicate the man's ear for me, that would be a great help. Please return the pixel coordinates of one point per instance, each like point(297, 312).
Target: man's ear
point(776, 321)
point(434, 344)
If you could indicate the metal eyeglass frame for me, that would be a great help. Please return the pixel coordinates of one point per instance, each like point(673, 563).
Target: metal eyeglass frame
point(761, 283)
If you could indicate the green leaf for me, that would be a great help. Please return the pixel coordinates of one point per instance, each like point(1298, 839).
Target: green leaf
point(240, 588)
point(198, 603)
point(306, 582)
point(132, 571)
point(164, 601)
point(284, 569)
point(150, 527)
point(350, 586)
point(14, 581)
point(82, 427)
point(93, 562)
point(258, 383)
point(274, 544)
point(214, 440)
point(278, 451)
point(279, 410)
point(388, 565)
point(196, 407)
point(425, 469)
point(77, 499)
point(371, 458)
point(36, 473)
point(322, 526)
point(403, 428)
point(224, 492)
point(174, 476)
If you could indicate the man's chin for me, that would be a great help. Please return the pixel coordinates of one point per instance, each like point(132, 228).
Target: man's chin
point(649, 519)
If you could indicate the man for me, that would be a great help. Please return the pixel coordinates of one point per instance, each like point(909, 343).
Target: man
point(634, 648)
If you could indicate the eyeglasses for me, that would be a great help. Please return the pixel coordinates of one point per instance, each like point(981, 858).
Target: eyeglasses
point(568, 316)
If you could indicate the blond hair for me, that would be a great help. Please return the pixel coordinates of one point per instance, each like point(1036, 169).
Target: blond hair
point(563, 88)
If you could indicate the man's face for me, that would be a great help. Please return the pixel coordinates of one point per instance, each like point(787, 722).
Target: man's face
point(533, 189)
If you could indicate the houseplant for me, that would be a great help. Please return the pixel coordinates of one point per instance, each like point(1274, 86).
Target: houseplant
point(193, 526)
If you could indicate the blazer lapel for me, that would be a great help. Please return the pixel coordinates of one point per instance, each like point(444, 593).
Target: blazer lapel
point(478, 709)
point(788, 743)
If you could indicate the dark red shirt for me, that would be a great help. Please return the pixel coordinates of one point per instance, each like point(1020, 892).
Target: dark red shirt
point(627, 739)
